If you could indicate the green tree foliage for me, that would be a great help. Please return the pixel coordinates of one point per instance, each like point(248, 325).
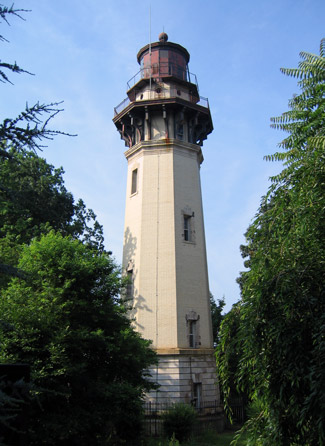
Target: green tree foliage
point(216, 316)
point(86, 362)
point(28, 130)
point(228, 354)
point(33, 199)
point(20, 136)
point(33, 196)
point(281, 331)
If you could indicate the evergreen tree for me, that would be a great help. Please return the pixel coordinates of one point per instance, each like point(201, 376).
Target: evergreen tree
point(31, 126)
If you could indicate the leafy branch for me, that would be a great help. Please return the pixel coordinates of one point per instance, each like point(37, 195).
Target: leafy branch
point(13, 132)
point(4, 12)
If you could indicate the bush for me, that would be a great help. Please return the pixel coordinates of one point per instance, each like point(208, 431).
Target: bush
point(179, 420)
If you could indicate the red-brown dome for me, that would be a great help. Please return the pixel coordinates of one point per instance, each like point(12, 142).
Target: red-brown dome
point(163, 37)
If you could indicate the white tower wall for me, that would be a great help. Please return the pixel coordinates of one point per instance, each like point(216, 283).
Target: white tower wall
point(170, 280)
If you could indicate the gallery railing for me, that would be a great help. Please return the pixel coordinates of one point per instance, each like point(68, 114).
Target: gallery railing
point(168, 93)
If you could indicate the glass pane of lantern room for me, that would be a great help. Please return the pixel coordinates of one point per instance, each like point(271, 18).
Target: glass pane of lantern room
point(163, 62)
point(154, 63)
point(177, 65)
point(181, 66)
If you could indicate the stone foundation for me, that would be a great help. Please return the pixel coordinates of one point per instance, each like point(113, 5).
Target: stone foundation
point(188, 376)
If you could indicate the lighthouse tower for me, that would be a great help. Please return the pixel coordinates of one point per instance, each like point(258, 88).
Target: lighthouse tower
point(164, 122)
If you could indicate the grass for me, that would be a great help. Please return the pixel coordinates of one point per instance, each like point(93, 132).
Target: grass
point(209, 438)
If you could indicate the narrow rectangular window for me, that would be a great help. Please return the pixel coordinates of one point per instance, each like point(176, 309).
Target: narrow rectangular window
point(192, 333)
point(187, 228)
point(197, 394)
point(134, 186)
point(129, 286)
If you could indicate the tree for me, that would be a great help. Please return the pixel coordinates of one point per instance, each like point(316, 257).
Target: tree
point(33, 200)
point(87, 363)
point(33, 196)
point(28, 129)
point(216, 316)
point(282, 311)
point(6, 11)
point(59, 308)
point(228, 353)
point(25, 133)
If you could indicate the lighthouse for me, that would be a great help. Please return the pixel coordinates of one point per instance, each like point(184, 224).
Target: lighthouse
point(163, 122)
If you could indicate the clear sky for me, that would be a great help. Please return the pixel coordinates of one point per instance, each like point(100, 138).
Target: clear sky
point(84, 52)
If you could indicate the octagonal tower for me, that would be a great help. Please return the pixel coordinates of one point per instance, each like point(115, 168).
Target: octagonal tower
point(163, 123)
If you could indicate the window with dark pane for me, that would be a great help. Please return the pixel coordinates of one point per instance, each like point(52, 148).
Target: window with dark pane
point(134, 186)
point(187, 228)
point(192, 333)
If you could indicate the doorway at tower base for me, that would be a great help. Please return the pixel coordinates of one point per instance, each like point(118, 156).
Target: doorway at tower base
point(185, 376)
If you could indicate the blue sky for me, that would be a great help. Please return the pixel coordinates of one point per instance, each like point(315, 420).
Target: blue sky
point(84, 52)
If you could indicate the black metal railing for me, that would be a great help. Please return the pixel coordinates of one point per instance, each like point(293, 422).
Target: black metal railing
point(164, 93)
point(210, 416)
point(237, 407)
point(199, 406)
point(121, 106)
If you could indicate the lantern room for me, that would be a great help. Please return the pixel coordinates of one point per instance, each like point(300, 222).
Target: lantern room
point(163, 99)
point(162, 59)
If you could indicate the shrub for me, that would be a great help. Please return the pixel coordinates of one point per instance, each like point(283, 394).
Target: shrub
point(179, 421)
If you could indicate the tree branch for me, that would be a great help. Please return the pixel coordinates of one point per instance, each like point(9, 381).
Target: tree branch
point(14, 134)
point(4, 12)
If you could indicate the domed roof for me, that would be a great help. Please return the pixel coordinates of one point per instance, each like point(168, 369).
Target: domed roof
point(163, 44)
point(163, 37)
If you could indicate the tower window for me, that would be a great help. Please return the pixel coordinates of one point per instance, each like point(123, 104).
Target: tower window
point(197, 394)
point(134, 186)
point(129, 286)
point(193, 329)
point(187, 228)
point(192, 334)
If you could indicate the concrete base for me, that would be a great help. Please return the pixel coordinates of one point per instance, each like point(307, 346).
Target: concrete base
point(187, 376)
